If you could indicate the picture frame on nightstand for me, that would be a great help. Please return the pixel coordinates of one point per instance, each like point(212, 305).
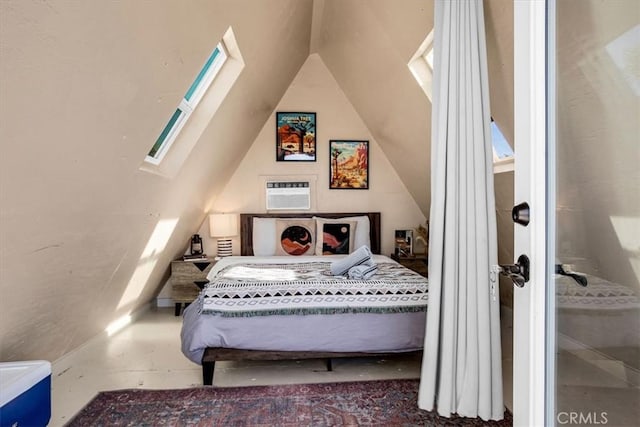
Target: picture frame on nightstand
point(403, 243)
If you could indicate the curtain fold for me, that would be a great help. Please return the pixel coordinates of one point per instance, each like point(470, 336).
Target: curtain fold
point(462, 367)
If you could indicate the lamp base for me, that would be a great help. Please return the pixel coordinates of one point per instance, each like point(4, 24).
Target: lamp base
point(224, 247)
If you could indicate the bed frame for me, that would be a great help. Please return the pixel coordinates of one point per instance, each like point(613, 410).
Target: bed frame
point(214, 354)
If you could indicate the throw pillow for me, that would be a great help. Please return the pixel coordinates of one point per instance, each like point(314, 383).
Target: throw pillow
point(295, 237)
point(336, 238)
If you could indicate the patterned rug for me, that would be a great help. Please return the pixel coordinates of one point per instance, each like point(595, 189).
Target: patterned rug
point(369, 403)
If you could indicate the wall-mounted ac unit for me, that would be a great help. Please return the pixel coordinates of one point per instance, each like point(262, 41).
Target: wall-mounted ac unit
point(288, 195)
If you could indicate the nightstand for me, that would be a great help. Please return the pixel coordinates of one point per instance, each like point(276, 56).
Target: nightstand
point(187, 277)
point(417, 263)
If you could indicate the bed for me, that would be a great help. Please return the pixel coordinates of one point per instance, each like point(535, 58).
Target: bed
point(264, 306)
point(602, 316)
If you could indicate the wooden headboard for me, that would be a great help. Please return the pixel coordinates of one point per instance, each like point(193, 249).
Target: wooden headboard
point(246, 226)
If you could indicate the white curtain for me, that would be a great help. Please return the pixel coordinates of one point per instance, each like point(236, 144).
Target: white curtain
point(461, 368)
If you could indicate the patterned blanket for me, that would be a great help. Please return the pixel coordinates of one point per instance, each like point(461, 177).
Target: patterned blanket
point(246, 289)
point(599, 294)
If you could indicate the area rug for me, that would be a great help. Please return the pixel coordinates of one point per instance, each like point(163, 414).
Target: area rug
point(368, 403)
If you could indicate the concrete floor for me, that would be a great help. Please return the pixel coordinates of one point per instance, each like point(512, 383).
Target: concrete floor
point(146, 354)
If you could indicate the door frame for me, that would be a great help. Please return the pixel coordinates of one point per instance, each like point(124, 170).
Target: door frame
point(532, 401)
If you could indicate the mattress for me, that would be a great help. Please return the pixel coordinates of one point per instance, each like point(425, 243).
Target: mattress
point(358, 330)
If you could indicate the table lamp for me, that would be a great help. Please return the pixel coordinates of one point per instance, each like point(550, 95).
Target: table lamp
point(223, 226)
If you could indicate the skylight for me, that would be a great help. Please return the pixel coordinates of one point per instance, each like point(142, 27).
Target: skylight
point(421, 64)
point(190, 101)
point(502, 150)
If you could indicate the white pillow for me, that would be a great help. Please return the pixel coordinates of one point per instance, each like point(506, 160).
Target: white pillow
point(361, 237)
point(264, 236)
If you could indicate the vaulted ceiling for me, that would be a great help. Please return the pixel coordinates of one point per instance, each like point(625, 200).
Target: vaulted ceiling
point(86, 87)
point(367, 45)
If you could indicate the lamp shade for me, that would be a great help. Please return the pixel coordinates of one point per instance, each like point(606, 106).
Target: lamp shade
point(223, 225)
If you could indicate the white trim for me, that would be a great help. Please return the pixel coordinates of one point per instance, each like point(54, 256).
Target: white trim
point(550, 298)
point(530, 171)
point(420, 67)
point(503, 165)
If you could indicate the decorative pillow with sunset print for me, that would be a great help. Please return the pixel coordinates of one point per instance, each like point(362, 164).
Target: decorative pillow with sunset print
point(337, 238)
point(295, 237)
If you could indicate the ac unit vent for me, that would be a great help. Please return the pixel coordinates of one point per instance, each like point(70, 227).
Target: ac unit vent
point(288, 195)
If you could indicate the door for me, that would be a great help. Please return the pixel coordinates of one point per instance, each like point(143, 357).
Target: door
point(577, 321)
point(530, 186)
point(594, 304)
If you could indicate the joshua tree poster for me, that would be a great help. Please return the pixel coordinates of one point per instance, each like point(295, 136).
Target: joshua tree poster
point(295, 137)
point(349, 165)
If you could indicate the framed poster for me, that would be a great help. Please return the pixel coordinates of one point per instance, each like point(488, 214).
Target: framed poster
point(295, 137)
point(403, 243)
point(349, 165)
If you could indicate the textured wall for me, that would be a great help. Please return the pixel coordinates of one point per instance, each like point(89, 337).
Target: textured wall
point(315, 90)
point(366, 45)
point(86, 87)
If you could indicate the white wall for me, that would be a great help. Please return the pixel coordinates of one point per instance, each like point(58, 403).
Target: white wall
point(366, 45)
point(315, 90)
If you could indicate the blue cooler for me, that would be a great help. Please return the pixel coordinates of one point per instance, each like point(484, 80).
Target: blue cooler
point(25, 393)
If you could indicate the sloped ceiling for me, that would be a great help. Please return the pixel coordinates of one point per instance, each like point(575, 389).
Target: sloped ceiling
point(367, 45)
point(85, 89)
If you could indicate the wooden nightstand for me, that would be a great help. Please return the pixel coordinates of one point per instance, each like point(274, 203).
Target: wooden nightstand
point(185, 278)
point(417, 263)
